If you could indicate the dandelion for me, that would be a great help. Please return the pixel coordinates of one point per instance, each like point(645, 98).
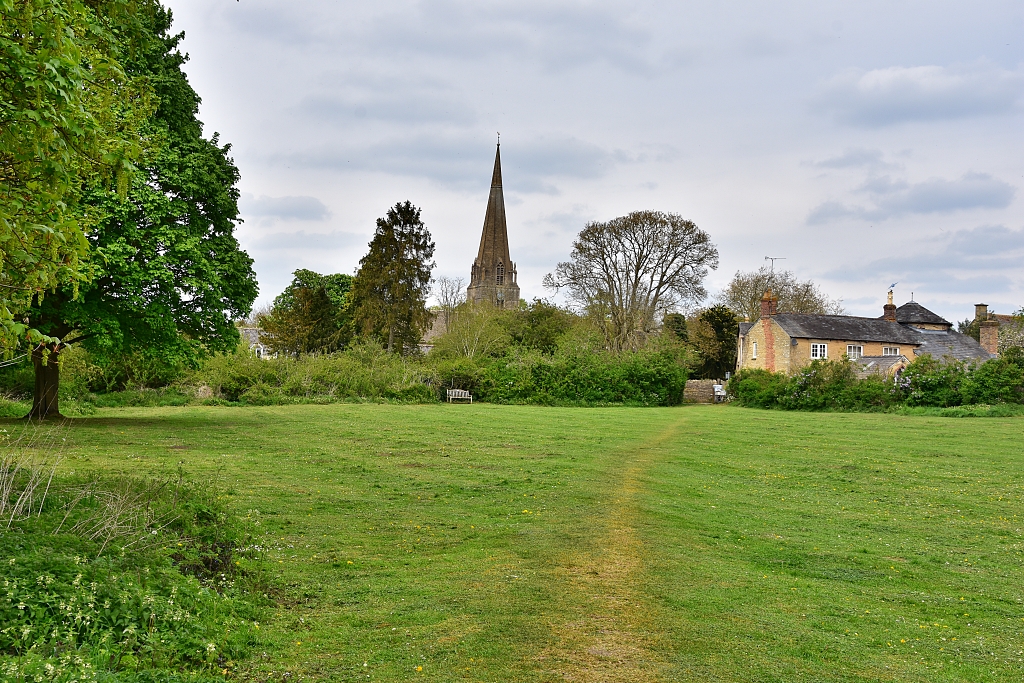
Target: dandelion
point(419, 668)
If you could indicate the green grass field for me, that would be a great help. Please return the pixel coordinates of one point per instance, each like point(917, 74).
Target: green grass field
point(502, 543)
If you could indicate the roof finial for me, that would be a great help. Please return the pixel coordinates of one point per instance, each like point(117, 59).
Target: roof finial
point(499, 138)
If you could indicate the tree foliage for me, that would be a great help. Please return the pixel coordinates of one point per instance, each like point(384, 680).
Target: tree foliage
point(337, 287)
point(451, 294)
point(675, 323)
point(70, 117)
point(310, 316)
point(713, 336)
point(389, 293)
point(1011, 333)
point(744, 292)
point(167, 274)
point(630, 270)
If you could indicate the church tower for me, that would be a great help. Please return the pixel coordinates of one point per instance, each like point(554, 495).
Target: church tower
point(493, 277)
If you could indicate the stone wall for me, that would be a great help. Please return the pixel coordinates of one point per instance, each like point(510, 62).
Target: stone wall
point(699, 391)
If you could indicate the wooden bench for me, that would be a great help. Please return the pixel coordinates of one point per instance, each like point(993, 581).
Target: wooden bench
point(459, 394)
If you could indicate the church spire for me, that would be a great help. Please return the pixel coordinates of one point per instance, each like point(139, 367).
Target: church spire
point(493, 275)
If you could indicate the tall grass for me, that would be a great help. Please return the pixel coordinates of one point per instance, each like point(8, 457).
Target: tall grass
point(119, 578)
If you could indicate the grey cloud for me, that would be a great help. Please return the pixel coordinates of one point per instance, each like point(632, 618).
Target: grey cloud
point(936, 195)
point(558, 37)
point(286, 208)
point(854, 157)
point(922, 93)
point(980, 259)
point(760, 46)
point(987, 240)
point(403, 100)
point(305, 241)
point(463, 161)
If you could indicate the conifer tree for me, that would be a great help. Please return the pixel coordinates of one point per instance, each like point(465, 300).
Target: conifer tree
point(390, 290)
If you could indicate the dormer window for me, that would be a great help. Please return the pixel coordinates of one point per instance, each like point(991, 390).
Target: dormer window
point(500, 275)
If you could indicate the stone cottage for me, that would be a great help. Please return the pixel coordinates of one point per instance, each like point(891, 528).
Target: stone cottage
point(786, 342)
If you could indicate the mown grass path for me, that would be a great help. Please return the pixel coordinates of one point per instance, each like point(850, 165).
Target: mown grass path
point(503, 543)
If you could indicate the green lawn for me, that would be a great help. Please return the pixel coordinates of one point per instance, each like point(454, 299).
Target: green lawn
point(501, 543)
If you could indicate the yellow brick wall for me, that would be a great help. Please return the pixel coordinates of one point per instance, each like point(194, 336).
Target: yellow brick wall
point(790, 358)
point(801, 353)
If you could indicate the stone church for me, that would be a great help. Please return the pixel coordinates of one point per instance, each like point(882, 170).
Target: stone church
point(493, 277)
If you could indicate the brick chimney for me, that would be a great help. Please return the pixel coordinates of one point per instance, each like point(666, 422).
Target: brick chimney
point(989, 336)
point(980, 312)
point(768, 305)
point(889, 310)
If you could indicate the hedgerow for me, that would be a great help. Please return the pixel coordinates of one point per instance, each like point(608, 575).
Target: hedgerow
point(926, 382)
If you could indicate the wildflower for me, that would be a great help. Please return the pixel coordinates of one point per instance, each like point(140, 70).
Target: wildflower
point(211, 648)
point(419, 668)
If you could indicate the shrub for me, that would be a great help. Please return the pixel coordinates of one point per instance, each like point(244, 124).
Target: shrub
point(123, 579)
point(363, 371)
point(926, 382)
point(637, 378)
point(758, 388)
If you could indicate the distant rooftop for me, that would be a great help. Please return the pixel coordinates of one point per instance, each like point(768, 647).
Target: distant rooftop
point(913, 312)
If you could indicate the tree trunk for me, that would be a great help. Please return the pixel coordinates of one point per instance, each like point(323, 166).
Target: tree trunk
point(45, 400)
point(391, 338)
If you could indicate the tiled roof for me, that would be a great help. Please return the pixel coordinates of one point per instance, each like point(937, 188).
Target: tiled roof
point(938, 343)
point(913, 312)
point(845, 328)
point(877, 365)
point(744, 328)
point(942, 344)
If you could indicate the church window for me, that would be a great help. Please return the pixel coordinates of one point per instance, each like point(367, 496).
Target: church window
point(500, 276)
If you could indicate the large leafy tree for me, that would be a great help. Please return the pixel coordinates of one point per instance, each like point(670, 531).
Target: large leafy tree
point(70, 117)
point(168, 274)
point(631, 270)
point(389, 293)
point(744, 292)
point(337, 287)
point(310, 316)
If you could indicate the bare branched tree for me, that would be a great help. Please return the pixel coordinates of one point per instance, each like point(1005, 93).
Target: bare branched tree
point(451, 293)
point(631, 270)
point(476, 330)
point(744, 293)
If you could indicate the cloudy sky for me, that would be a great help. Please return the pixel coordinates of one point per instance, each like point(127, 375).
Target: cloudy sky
point(865, 142)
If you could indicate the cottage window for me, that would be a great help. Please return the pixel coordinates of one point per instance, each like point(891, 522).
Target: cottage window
point(890, 350)
point(754, 354)
point(819, 351)
point(854, 351)
point(500, 276)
